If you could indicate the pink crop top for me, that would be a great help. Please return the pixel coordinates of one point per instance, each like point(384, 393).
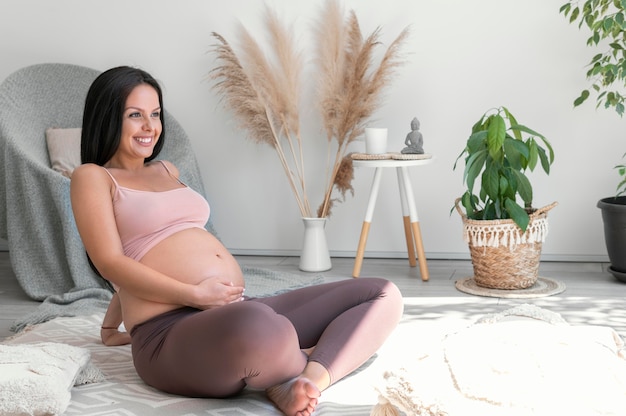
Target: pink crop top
point(145, 218)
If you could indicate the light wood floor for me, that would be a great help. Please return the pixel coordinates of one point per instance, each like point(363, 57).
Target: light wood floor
point(593, 296)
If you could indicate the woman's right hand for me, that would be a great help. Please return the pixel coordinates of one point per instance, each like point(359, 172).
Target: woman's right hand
point(216, 291)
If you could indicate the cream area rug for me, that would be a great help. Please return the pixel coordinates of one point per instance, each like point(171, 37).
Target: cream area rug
point(521, 362)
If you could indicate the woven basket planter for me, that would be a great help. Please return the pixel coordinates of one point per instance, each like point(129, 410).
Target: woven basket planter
point(502, 255)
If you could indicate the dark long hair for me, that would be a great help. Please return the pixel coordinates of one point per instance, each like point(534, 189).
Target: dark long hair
point(104, 110)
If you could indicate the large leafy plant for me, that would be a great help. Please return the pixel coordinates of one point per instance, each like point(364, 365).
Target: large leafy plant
point(606, 20)
point(498, 152)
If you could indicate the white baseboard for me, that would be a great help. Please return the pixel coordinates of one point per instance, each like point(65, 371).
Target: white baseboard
point(399, 255)
point(583, 258)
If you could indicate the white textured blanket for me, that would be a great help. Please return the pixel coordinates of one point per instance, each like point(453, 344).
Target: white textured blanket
point(36, 379)
point(513, 366)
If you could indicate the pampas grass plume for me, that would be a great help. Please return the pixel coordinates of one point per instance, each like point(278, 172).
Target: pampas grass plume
point(263, 92)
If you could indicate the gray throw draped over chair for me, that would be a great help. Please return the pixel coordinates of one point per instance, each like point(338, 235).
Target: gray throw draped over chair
point(36, 218)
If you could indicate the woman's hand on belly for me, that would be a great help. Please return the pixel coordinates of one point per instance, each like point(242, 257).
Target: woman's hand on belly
point(213, 292)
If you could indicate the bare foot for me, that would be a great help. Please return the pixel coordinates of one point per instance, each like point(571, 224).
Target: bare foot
point(296, 397)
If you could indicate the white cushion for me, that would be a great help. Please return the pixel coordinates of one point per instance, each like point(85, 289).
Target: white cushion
point(64, 149)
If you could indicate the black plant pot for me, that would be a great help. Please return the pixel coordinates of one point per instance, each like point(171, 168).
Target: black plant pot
point(614, 218)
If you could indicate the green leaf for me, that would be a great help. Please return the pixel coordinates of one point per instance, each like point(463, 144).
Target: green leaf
point(581, 99)
point(505, 187)
point(550, 150)
point(490, 211)
point(495, 136)
point(524, 188)
point(595, 70)
point(511, 178)
point(543, 139)
point(512, 122)
point(483, 196)
point(478, 126)
point(490, 181)
point(574, 15)
point(458, 158)
point(597, 58)
point(545, 163)
point(517, 214)
point(519, 127)
point(533, 154)
point(476, 141)
point(509, 115)
point(516, 152)
point(466, 201)
point(473, 167)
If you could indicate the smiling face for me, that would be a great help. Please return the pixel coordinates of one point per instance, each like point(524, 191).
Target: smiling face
point(141, 123)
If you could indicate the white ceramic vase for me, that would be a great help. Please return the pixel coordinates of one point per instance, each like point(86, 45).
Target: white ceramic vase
point(315, 256)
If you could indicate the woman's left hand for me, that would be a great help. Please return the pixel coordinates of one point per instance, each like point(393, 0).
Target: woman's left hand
point(215, 291)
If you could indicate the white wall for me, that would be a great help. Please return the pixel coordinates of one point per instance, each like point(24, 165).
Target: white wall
point(466, 57)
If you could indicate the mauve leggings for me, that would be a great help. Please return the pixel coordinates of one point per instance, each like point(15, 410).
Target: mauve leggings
point(257, 342)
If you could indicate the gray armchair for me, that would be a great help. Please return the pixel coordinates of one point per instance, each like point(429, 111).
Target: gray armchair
point(36, 218)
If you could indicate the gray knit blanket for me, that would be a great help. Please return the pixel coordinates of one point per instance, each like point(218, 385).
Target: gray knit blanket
point(46, 252)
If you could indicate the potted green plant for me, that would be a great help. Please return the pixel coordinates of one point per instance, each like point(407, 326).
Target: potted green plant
point(606, 20)
point(505, 237)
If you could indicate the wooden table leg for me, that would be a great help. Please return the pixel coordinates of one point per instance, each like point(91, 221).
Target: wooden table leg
point(369, 213)
point(408, 234)
point(421, 257)
point(360, 252)
point(417, 234)
point(410, 247)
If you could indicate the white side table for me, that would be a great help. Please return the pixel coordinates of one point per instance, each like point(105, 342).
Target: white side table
point(412, 232)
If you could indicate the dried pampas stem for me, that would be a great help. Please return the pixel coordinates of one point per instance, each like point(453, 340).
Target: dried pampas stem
point(262, 97)
point(357, 86)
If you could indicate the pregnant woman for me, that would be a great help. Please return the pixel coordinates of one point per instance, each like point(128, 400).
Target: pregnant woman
point(180, 292)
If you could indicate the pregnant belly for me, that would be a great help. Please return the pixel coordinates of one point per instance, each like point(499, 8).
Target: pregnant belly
point(189, 256)
point(193, 255)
